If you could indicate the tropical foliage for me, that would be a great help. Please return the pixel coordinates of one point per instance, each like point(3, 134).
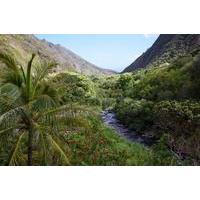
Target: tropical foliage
point(32, 120)
point(164, 102)
point(53, 119)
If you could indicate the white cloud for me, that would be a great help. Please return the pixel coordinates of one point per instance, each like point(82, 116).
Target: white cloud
point(150, 35)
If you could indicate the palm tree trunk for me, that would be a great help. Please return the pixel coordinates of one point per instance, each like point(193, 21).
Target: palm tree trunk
point(30, 147)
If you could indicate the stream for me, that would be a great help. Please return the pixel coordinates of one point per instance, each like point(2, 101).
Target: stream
point(110, 120)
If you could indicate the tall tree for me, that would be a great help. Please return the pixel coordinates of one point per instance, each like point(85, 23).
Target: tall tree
point(32, 120)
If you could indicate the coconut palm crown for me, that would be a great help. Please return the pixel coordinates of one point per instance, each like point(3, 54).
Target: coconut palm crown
point(31, 116)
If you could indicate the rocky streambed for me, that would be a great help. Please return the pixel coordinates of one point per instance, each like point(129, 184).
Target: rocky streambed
point(110, 120)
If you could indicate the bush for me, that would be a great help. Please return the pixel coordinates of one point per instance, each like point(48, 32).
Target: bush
point(181, 123)
point(136, 114)
point(178, 117)
point(76, 88)
point(93, 101)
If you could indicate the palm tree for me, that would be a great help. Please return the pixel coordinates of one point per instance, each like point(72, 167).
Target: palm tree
point(32, 119)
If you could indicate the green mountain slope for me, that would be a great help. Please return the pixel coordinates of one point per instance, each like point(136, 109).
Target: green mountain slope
point(166, 49)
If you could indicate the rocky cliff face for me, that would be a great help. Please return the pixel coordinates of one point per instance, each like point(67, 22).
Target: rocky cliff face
point(24, 45)
point(165, 49)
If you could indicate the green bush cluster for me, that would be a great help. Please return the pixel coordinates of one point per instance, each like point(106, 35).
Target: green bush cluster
point(74, 87)
point(180, 123)
point(164, 102)
point(136, 114)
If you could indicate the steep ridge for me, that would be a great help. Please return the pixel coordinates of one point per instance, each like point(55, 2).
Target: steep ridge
point(24, 45)
point(165, 49)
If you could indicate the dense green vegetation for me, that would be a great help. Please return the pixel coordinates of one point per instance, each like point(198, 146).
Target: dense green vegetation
point(53, 119)
point(74, 87)
point(32, 118)
point(164, 102)
point(160, 103)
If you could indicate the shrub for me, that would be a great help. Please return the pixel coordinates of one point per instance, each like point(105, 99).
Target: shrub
point(76, 88)
point(136, 114)
point(181, 122)
point(179, 117)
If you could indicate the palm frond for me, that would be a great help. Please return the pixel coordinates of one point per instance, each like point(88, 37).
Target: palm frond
point(7, 129)
point(13, 117)
point(6, 135)
point(6, 103)
point(10, 90)
point(28, 79)
point(44, 148)
point(64, 119)
point(58, 149)
point(40, 72)
point(9, 61)
point(23, 73)
point(69, 110)
point(12, 75)
point(42, 103)
point(15, 155)
point(50, 90)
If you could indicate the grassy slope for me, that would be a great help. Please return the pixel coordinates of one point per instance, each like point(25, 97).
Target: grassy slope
point(100, 145)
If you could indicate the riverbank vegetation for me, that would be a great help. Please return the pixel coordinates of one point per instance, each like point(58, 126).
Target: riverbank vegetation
point(163, 103)
point(54, 119)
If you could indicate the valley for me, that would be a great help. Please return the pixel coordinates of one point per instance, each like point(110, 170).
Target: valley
point(57, 109)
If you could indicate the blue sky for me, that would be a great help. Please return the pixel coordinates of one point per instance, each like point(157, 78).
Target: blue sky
point(111, 51)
